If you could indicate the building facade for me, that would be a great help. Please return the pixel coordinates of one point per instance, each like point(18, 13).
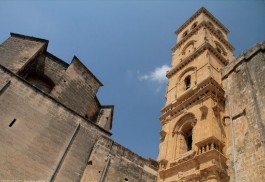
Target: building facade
point(196, 142)
point(52, 126)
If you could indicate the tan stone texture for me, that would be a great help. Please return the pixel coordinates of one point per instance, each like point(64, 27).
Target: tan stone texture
point(210, 94)
point(53, 128)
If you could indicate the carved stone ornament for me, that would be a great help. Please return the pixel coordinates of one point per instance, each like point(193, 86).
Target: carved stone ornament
point(216, 109)
point(163, 163)
point(204, 111)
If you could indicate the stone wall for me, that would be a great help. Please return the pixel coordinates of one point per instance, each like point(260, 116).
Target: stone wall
point(114, 163)
point(245, 87)
point(49, 141)
point(77, 89)
point(38, 135)
point(48, 65)
point(50, 136)
point(105, 117)
point(19, 50)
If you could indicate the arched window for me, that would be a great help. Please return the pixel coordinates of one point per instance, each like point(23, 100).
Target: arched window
point(189, 47)
point(186, 80)
point(187, 134)
point(184, 130)
point(42, 82)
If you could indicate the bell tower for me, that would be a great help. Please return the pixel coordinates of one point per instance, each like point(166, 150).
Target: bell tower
point(193, 134)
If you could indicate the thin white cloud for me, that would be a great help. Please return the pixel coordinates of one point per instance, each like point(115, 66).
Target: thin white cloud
point(158, 75)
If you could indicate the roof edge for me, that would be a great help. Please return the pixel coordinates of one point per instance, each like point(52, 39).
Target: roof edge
point(76, 58)
point(48, 54)
point(29, 37)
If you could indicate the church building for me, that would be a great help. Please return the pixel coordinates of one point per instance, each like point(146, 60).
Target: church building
point(54, 128)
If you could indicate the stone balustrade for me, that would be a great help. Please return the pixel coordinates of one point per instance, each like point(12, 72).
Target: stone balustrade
point(209, 146)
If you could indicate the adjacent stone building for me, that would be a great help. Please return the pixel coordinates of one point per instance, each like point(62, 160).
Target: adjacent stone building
point(212, 123)
point(52, 126)
point(244, 83)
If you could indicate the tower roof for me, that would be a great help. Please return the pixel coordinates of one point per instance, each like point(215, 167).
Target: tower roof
point(207, 13)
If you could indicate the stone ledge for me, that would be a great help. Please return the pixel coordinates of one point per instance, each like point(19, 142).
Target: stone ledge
point(203, 91)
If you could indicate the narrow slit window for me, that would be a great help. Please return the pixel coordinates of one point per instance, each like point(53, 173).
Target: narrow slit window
point(12, 123)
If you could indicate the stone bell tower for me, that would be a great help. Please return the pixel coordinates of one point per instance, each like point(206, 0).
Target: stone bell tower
point(193, 134)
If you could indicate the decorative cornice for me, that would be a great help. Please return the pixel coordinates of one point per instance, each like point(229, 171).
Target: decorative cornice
point(183, 158)
point(76, 59)
point(196, 14)
point(202, 91)
point(199, 51)
point(217, 162)
point(204, 24)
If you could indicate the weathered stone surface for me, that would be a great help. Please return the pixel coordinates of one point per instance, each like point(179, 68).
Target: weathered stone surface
point(33, 145)
point(24, 49)
point(246, 85)
point(51, 134)
point(53, 128)
point(193, 134)
point(105, 117)
point(114, 163)
point(77, 89)
point(213, 122)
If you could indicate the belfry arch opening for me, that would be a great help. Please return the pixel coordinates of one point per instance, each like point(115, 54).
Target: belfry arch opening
point(187, 134)
point(184, 130)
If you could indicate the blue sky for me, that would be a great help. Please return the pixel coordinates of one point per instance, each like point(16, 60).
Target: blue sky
point(127, 45)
